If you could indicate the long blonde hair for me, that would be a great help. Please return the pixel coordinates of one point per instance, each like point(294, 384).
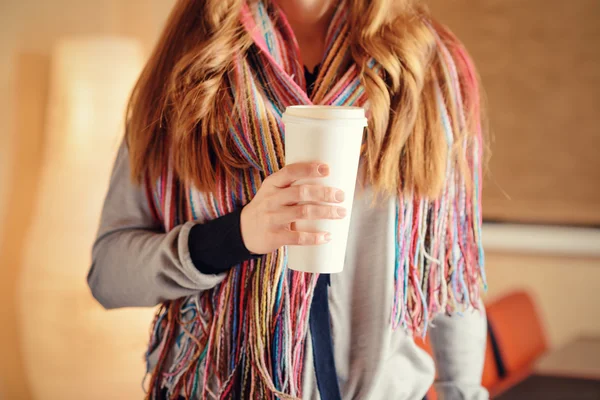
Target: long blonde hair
point(175, 106)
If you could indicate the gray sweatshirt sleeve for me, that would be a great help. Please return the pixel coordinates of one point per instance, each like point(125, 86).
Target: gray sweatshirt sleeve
point(134, 262)
point(458, 343)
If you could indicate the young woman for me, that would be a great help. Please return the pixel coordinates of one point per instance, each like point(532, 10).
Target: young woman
point(201, 207)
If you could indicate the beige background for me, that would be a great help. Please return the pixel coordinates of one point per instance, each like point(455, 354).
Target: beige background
point(29, 28)
point(540, 65)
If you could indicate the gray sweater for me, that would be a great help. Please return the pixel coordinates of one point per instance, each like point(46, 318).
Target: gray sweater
point(135, 264)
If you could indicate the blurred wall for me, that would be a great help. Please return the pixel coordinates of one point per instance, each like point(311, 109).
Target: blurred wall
point(28, 30)
point(565, 289)
point(540, 64)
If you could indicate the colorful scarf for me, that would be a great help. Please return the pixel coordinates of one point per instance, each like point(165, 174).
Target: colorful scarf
point(249, 332)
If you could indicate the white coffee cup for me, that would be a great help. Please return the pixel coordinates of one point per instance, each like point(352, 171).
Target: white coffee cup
point(333, 136)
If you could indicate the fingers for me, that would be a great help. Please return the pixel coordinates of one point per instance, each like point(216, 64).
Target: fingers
point(307, 212)
point(310, 193)
point(293, 238)
point(293, 172)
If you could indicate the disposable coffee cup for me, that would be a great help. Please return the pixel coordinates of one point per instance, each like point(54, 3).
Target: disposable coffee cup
point(333, 136)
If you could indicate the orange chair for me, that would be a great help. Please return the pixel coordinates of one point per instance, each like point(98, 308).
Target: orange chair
point(517, 331)
point(491, 376)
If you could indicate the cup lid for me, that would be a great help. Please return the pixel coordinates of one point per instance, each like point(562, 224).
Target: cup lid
point(326, 112)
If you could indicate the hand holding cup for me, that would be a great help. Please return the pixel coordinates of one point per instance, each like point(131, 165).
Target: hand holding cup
point(268, 222)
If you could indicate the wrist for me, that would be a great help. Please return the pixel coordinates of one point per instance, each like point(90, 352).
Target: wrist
point(217, 245)
point(244, 230)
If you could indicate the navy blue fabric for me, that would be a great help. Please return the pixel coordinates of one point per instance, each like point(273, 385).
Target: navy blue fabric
point(497, 353)
point(320, 328)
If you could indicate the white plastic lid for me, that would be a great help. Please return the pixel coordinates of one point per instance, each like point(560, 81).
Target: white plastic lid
point(338, 114)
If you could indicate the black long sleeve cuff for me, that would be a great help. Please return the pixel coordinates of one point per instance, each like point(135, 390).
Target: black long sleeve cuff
point(217, 245)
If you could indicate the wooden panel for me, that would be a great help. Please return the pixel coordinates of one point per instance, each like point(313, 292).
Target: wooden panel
point(540, 65)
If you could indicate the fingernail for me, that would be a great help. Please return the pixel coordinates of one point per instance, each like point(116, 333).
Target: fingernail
point(339, 196)
point(341, 212)
point(323, 170)
point(327, 237)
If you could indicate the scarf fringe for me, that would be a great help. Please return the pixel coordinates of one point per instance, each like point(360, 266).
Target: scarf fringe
point(439, 254)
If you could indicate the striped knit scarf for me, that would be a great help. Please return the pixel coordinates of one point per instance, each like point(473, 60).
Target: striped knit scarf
point(245, 338)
